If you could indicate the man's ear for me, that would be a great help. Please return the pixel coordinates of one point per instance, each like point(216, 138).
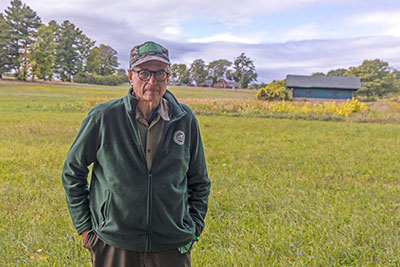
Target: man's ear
point(130, 75)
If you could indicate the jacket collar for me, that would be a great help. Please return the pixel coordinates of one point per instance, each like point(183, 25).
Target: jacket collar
point(176, 111)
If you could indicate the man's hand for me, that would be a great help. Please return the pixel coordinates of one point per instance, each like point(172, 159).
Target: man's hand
point(84, 236)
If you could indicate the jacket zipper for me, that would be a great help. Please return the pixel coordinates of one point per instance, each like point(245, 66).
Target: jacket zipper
point(137, 138)
point(150, 180)
point(150, 176)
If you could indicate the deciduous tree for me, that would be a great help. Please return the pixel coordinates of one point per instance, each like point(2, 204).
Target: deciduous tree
point(376, 77)
point(198, 71)
point(218, 68)
point(243, 71)
point(180, 74)
point(336, 72)
point(318, 74)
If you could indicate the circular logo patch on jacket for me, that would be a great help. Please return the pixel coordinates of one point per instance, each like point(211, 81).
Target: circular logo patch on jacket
point(179, 137)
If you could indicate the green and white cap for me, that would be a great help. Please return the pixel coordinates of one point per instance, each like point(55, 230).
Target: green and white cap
point(146, 52)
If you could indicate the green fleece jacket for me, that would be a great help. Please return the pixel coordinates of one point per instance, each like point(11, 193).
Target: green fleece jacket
point(127, 205)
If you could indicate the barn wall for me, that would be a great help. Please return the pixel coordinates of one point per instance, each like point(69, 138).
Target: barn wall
point(322, 93)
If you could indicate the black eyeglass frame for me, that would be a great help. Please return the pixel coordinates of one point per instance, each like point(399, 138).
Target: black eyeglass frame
point(151, 73)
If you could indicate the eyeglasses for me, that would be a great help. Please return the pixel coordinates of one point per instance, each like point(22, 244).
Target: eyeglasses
point(145, 75)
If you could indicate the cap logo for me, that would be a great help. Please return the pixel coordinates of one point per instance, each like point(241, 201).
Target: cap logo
point(179, 137)
point(149, 47)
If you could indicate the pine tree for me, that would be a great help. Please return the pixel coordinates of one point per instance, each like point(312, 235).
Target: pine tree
point(102, 60)
point(23, 22)
point(72, 49)
point(43, 54)
point(93, 62)
point(84, 46)
point(4, 45)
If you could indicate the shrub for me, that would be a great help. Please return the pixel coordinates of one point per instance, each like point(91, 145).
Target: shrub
point(275, 91)
point(98, 79)
point(323, 110)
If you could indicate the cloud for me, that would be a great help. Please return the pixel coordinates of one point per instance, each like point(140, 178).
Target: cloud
point(297, 48)
point(165, 20)
point(385, 22)
point(274, 61)
point(154, 15)
point(253, 38)
point(306, 57)
point(172, 30)
point(306, 31)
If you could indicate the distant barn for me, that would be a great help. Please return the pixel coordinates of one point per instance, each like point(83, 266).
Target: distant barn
point(223, 83)
point(331, 87)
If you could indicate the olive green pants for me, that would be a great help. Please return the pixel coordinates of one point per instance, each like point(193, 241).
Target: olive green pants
point(105, 255)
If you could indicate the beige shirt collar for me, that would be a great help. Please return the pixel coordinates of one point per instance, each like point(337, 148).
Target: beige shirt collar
point(164, 111)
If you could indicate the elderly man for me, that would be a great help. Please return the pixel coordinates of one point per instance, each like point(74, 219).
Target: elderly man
point(149, 187)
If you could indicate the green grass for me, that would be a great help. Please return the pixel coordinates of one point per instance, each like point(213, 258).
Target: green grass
point(42, 89)
point(284, 192)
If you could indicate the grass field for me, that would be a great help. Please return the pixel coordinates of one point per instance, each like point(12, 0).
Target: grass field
point(284, 192)
point(46, 89)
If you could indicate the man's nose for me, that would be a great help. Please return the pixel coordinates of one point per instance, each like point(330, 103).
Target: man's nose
point(152, 79)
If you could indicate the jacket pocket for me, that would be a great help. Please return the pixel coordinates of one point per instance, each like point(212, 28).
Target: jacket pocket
point(189, 224)
point(105, 206)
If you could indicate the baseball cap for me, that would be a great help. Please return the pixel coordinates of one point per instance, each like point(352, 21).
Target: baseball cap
point(146, 52)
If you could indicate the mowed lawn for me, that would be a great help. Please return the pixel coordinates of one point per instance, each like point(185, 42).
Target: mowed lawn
point(284, 192)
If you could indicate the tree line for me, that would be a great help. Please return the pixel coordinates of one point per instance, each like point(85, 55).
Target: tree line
point(242, 72)
point(378, 79)
point(31, 49)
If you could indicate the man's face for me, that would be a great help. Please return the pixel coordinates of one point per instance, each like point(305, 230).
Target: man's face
point(151, 90)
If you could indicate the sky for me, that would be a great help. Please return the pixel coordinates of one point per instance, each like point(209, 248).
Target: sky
point(281, 37)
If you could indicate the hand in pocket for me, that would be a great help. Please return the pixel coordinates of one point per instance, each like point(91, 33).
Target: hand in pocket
point(85, 237)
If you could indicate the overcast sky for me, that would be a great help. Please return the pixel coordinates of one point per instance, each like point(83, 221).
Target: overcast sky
point(281, 37)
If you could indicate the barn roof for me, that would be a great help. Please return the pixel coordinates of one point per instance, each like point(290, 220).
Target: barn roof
point(336, 82)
